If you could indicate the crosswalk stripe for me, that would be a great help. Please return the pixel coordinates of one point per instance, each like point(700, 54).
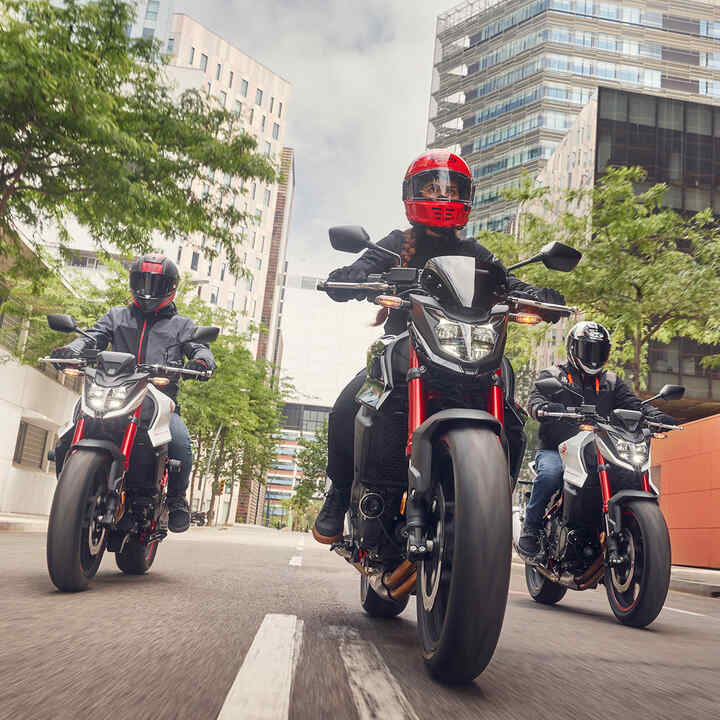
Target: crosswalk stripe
point(273, 654)
point(295, 561)
point(374, 689)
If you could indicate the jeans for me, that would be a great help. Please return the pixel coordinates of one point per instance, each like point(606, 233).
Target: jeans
point(549, 479)
point(179, 448)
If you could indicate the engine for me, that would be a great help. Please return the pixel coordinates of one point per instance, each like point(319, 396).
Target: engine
point(376, 520)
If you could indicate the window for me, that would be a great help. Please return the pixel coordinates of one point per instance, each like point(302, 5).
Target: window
point(209, 268)
point(214, 291)
point(279, 110)
point(223, 98)
point(245, 303)
point(250, 280)
point(268, 148)
point(251, 117)
point(152, 10)
point(192, 55)
point(258, 263)
point(276, 131)
point(258, 97)
point(254, 308)
point(218, 71)
point(179, 254)
point(148, 33)
point(262, 124)
point(267, 198)
point(272, 104)
point(171, 44)
point(209, 89)
point(231, 301)
point(230, 79)
point(262, 243)
point(205, 190)
point(254, 190)
point(30, 445)
point(203, 61)
point(195, 260)
point(222, 271)
point(238, 107)
point(227, 179)
point(254, 238)
point(243, 87)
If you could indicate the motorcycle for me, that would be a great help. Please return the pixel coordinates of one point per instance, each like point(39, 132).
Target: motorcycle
point(111, 492)
point(198, 518)
point(605, 524)
point(434, 519)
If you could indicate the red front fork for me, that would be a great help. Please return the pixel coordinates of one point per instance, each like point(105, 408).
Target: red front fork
point(604, 480)
point(129, 436)
point(417, 408)
point(79, 430)
point(496, 401)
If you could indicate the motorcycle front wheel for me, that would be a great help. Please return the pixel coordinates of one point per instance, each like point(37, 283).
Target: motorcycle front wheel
point(75, 540)
point(462, 588)
point(637, 590)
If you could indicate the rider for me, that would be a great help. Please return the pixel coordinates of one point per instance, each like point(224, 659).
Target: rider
point(149, 328)
point(437, 196)
point(588, 349)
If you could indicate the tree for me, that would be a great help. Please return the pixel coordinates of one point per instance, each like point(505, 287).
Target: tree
point(312, 461)
point(91, 129)
point(647, 273)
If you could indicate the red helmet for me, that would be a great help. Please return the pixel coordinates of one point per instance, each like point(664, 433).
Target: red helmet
point(153, 282)
point(437, 190)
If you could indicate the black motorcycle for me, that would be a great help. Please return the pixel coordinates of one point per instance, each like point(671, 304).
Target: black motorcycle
point(440, 524)
point(605, 524)
point(198, 518)
point(112, 489)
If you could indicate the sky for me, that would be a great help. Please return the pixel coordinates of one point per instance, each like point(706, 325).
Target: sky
point(360, 75)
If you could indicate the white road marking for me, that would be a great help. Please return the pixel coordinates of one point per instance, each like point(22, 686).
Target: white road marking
point(374, 689)
point(271, 655)
point(301, 544)
point(685, 612)
point(295, 561)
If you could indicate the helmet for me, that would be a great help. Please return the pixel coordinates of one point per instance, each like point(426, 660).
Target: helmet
point(588, 347)
point(437, 190)
point(153, 282)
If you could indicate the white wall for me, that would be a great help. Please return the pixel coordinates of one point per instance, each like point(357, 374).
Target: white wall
point(27, 394)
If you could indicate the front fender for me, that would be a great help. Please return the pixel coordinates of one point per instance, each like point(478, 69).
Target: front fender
point(619, 499)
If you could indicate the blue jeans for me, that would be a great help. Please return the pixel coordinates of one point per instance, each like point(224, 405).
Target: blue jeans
point(549, 479)
point(180, 449)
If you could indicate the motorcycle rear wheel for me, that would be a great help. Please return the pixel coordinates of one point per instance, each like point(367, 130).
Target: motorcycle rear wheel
point(462, 588)
point(542, 589)
point(75, 544)
point(136, 558)
point(376, 606)
point(637, 592)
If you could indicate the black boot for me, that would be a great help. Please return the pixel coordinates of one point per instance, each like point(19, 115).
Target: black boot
point(330, 521)
point(179, 518)
point(529, 546)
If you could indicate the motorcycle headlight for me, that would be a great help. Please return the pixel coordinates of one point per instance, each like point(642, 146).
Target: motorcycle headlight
point(634, 453)
point(100, 398)
point(466, 342)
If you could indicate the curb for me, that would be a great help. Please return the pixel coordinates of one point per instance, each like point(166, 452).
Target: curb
point(10, 526)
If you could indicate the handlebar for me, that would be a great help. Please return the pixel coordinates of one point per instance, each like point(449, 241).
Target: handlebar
point(149, 368)
point(550, 307)
point(372, 286)
point(571, 415)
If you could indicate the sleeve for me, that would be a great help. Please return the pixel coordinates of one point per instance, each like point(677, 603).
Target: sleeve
point(101, 331)
point(198, 351)
point(537, 399)
point(374, 261)
point(626, 399)
point(514, 283)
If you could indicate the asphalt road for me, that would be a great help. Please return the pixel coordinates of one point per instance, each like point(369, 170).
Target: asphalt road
point(172, 643)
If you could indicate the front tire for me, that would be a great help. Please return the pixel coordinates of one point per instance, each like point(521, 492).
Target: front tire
point(376, 606)
point(462, 589)
point(136, 558)
point(637, 591)
point(75, 543)
point(541, 589)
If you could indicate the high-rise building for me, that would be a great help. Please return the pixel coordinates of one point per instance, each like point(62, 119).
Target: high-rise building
point(509, 78)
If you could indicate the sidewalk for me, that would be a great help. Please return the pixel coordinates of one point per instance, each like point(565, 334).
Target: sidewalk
point(13, 522)
point(697, 581)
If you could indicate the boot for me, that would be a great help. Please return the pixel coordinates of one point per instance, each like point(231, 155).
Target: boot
point(330, 521)
point(179, 516)
point(529, 545)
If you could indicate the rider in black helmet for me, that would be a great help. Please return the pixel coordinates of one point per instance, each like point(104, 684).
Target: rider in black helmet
point(148, 328)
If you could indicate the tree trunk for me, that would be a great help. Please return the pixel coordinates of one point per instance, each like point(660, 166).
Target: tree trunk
point(196, 467)
point(637, 363)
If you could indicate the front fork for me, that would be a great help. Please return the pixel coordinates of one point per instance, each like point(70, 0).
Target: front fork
point(612, 521)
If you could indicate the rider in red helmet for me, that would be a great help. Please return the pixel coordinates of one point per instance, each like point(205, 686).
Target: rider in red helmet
point(437, 192)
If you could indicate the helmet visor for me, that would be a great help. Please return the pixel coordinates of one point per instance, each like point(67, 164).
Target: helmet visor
point(592, 354)
point(151, 285)
point(439, 184)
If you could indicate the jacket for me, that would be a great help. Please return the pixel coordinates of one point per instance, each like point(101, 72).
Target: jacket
point(147, 337)
point(374, 261)
point(606, 391)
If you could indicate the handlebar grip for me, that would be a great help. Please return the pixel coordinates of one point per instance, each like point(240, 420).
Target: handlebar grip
point(320, 286)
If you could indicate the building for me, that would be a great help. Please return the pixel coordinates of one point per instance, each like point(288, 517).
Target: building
point(510, 77)
point(153, 21)
point(264, 503)
point(678, 143)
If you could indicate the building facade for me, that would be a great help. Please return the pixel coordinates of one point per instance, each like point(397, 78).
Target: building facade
point(510, 77)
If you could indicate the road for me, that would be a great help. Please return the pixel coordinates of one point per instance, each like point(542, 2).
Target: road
point(172, 643)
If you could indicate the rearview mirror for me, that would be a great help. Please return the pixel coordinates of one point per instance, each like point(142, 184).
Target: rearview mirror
point(349, 238)
point(672, 392)
point(558, 256)
point(549, 386)
point(62, 323)
point(205, 334)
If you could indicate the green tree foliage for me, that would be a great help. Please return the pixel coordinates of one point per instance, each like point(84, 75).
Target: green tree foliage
point(312, 461)
point(647, 273)
point(91, 128)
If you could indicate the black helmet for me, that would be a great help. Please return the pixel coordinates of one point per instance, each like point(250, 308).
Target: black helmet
point(588, 347)
point(153, 282)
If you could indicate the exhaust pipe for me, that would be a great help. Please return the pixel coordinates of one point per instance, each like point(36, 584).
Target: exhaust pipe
point(402, 591)
point(393, 585)
point(398, 576)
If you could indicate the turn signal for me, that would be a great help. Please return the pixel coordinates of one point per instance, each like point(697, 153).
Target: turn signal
point(160, 381)
point(72, 372)
point(587, 427)
point(390, 301)
point(525, 318)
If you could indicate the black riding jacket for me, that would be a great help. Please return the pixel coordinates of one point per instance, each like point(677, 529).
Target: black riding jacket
point(147, 336)
point(606, 391)
point(374, 261)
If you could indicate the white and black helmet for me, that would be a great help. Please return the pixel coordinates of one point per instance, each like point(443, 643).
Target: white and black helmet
point(588, 347)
